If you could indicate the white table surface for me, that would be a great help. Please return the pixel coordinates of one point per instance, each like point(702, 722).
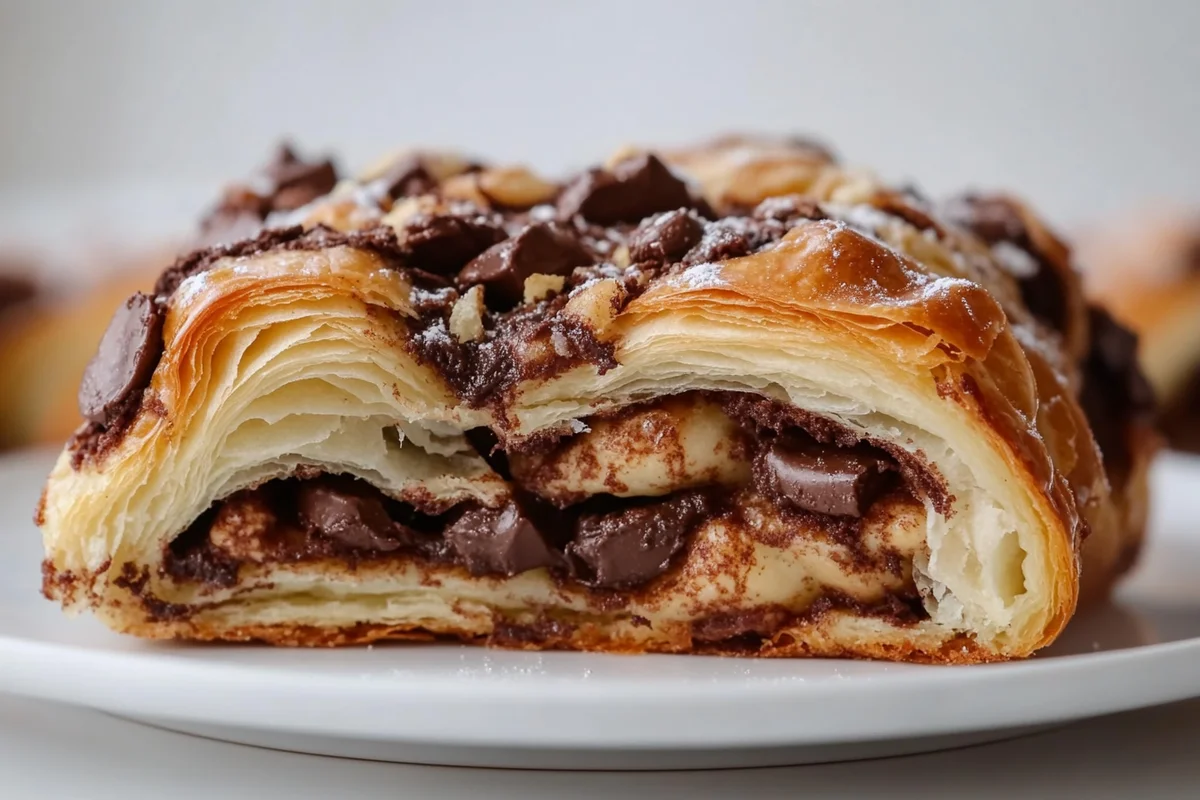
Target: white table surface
point(53, 751)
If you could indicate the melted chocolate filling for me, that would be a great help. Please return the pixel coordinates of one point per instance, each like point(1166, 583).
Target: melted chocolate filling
point(604, 542)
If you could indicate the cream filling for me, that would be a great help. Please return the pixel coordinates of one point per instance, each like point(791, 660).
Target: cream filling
point(676, 443)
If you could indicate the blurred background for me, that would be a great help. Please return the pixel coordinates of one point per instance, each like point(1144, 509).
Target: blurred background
point(122, 119)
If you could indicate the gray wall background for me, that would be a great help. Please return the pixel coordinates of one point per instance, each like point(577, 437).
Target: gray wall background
point(128, 114)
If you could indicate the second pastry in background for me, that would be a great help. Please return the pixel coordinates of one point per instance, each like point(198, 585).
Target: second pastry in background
point(1147, 271)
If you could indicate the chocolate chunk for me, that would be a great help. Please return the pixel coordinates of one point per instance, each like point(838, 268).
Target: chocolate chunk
point(821, 479)
point(296, 182)
point(993, 219)
point(633, 190)
point(239, 215)
point(499, 542)
point(544, 247)
point(996, 220)
point(719, 243)
point(408, 177)
point(1114, 350)
point(350, 513)
point(1044, 296)
point(224, 226)
point(443, 243)
point(287, 183)
point(1115, 392)
point(906, 208)
point(626, 548)
point(788, 208)
point(667, 237)
point(125, 360)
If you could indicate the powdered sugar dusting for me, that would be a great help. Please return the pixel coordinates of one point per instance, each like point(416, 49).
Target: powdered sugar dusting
point(599, 272)
point(1016, 262)
point(699, 276)
point(431, 296)
point(933, 286)
point(297, 216)
point(436, 333)
point(864, 218)
point(191, 287)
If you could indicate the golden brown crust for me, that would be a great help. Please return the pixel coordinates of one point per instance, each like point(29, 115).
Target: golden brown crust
point(744, 170)
point(813, 637)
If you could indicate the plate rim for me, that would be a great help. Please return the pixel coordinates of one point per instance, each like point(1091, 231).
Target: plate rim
point(466, 712)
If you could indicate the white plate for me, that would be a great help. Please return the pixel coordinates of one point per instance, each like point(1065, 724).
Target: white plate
point(448, 704)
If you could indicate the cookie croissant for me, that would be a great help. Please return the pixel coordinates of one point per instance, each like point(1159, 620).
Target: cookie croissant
point(735, 399)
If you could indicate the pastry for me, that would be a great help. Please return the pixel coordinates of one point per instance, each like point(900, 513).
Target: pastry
point(667, 405)
point(1147, 270)
point(1110, 385)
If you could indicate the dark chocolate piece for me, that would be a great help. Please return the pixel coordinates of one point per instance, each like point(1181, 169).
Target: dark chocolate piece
point(633, 190)
point(758, 414)
point(125, 360)
point(1115, 392)
point(628, 547)
point(350, 513)
point(996, 220)
point(226, 225)
point(296, 182)
point(443, 243)
point(667, 237)
point(905, 208)
point(543, 247)
point(285, 184)
point(821, 479)
point(992, 219)
point(407, 177)
point(788, 208)
point(499, 542)
point(718, 244)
